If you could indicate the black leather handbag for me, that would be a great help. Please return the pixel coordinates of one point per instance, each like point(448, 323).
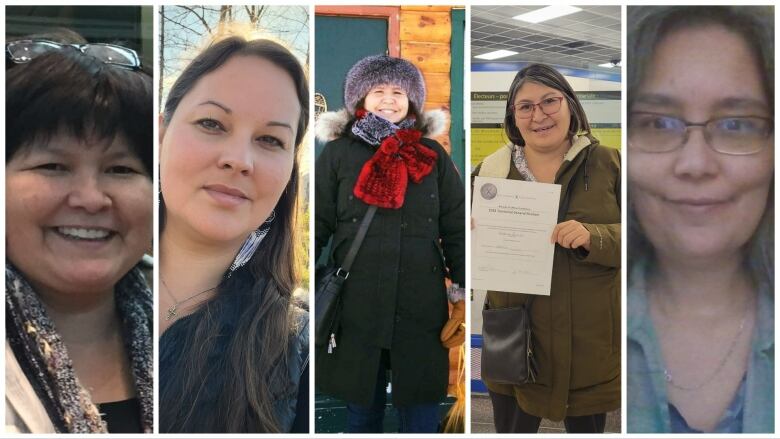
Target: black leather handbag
point(507, 350)
point(328, 283)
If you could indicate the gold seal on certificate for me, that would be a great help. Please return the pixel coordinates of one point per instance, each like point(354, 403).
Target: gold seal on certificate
point(510, 243)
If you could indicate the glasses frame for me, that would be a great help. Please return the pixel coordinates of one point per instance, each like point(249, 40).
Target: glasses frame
point(136, 60)
point(560, 99)
point(706, 127)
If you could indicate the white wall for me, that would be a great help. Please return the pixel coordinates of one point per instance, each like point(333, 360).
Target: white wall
point(500, 81)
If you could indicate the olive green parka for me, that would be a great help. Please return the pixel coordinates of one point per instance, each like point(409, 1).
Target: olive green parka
point(576, 330)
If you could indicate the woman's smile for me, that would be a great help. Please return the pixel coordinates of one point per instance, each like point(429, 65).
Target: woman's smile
point(544, 130)
point(226, 196)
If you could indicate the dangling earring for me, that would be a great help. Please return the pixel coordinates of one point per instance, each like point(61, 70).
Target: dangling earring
point(251, 244)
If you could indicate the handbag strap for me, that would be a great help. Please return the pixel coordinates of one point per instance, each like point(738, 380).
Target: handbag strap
point(361, 234)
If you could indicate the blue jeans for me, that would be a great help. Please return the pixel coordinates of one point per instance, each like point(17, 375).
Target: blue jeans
point(418, 418)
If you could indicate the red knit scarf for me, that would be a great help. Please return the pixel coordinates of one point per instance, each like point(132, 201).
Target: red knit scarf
point(400, 158)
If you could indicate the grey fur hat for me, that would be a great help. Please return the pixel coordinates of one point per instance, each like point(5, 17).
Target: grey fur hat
point(382, 69)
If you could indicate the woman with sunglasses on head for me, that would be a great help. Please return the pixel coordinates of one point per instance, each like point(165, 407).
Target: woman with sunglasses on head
point(234, 341)
point(78, 221)
point(701, 173)
point(576, 329)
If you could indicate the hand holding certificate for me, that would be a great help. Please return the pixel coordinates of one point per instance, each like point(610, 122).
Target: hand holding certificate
point(510, 246)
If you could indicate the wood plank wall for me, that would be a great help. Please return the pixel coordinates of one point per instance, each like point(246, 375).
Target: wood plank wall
point(424, 37)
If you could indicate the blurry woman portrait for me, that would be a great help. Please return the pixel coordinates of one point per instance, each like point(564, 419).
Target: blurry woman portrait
point(701, 233)
point(78, 222)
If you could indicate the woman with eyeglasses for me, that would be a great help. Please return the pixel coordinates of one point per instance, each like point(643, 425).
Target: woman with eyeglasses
point(78, 221)
point(701, 172)
point(576, 329)
point(234, 350)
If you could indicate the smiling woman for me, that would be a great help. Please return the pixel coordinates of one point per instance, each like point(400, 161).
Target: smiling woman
point(575, 341)
point(234, 343)
point(78, 220)
point(391, 319)
point(701, 172)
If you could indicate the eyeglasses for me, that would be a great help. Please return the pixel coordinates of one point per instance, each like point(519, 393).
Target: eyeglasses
point(548, 106)
point(24, 51)
point(657, 133)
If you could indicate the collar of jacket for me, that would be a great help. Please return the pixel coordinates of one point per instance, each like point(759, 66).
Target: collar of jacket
point(333, 124)
point(497, 164)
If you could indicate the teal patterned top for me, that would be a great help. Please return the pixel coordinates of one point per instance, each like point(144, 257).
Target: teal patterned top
point(648, 408)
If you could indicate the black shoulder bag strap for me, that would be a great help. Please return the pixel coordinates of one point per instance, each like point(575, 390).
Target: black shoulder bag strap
point(346, 265)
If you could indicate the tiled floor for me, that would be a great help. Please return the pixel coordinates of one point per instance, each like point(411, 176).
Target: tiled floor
point(482, 418)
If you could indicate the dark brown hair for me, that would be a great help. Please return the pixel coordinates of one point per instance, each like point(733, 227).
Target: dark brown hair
point(242, 334)
point(67, 91)
point(547, 76)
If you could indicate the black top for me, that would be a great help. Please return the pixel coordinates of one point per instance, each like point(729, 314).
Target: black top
point(291, 409)
point(301, 422)
point(122, 416)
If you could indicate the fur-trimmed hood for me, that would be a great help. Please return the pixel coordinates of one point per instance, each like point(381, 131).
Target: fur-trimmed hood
point(331, 125)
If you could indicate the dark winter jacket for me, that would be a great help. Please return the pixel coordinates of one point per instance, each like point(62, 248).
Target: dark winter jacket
point(394, 298)
point(576, 330)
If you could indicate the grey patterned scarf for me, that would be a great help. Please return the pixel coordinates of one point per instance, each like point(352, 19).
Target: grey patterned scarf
point(44, 357)
point(521, 163)
point(374, 129)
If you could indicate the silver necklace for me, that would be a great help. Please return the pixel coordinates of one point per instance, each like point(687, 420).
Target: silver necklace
point(172, 310)
point(668, 374)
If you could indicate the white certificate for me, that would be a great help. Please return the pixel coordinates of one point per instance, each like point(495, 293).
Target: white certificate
point(510, 243)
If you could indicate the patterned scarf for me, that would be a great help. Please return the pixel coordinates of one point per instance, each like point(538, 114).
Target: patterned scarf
point(399, 157)
point(521, 163)
point(43, 355)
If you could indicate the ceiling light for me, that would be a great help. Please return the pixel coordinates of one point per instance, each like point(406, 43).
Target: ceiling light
point(611, 64)
point(496, 54)
point(547, 13)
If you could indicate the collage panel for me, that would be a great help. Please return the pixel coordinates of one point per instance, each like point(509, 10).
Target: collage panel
point(545, 219)
point(242, 183)
point(389, 219)
point(701, 219)
point(79, 209)
point(233, 309)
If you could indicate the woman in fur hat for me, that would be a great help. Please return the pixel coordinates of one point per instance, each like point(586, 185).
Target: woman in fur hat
point(394, 304)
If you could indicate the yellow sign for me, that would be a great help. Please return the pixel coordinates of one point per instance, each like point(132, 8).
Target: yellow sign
point(485, 141)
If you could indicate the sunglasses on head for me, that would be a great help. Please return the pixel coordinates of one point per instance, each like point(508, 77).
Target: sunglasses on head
point(24, 51)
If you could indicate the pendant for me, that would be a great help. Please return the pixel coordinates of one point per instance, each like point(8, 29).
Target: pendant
point(171, 312)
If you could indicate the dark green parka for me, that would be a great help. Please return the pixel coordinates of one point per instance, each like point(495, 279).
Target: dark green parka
point(395, 296)
point(576, 330)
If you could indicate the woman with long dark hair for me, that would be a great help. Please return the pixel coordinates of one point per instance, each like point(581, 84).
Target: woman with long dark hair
point(234, 343)
point(701, 220)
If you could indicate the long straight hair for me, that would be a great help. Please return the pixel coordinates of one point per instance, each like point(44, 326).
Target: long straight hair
point(242, 335)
